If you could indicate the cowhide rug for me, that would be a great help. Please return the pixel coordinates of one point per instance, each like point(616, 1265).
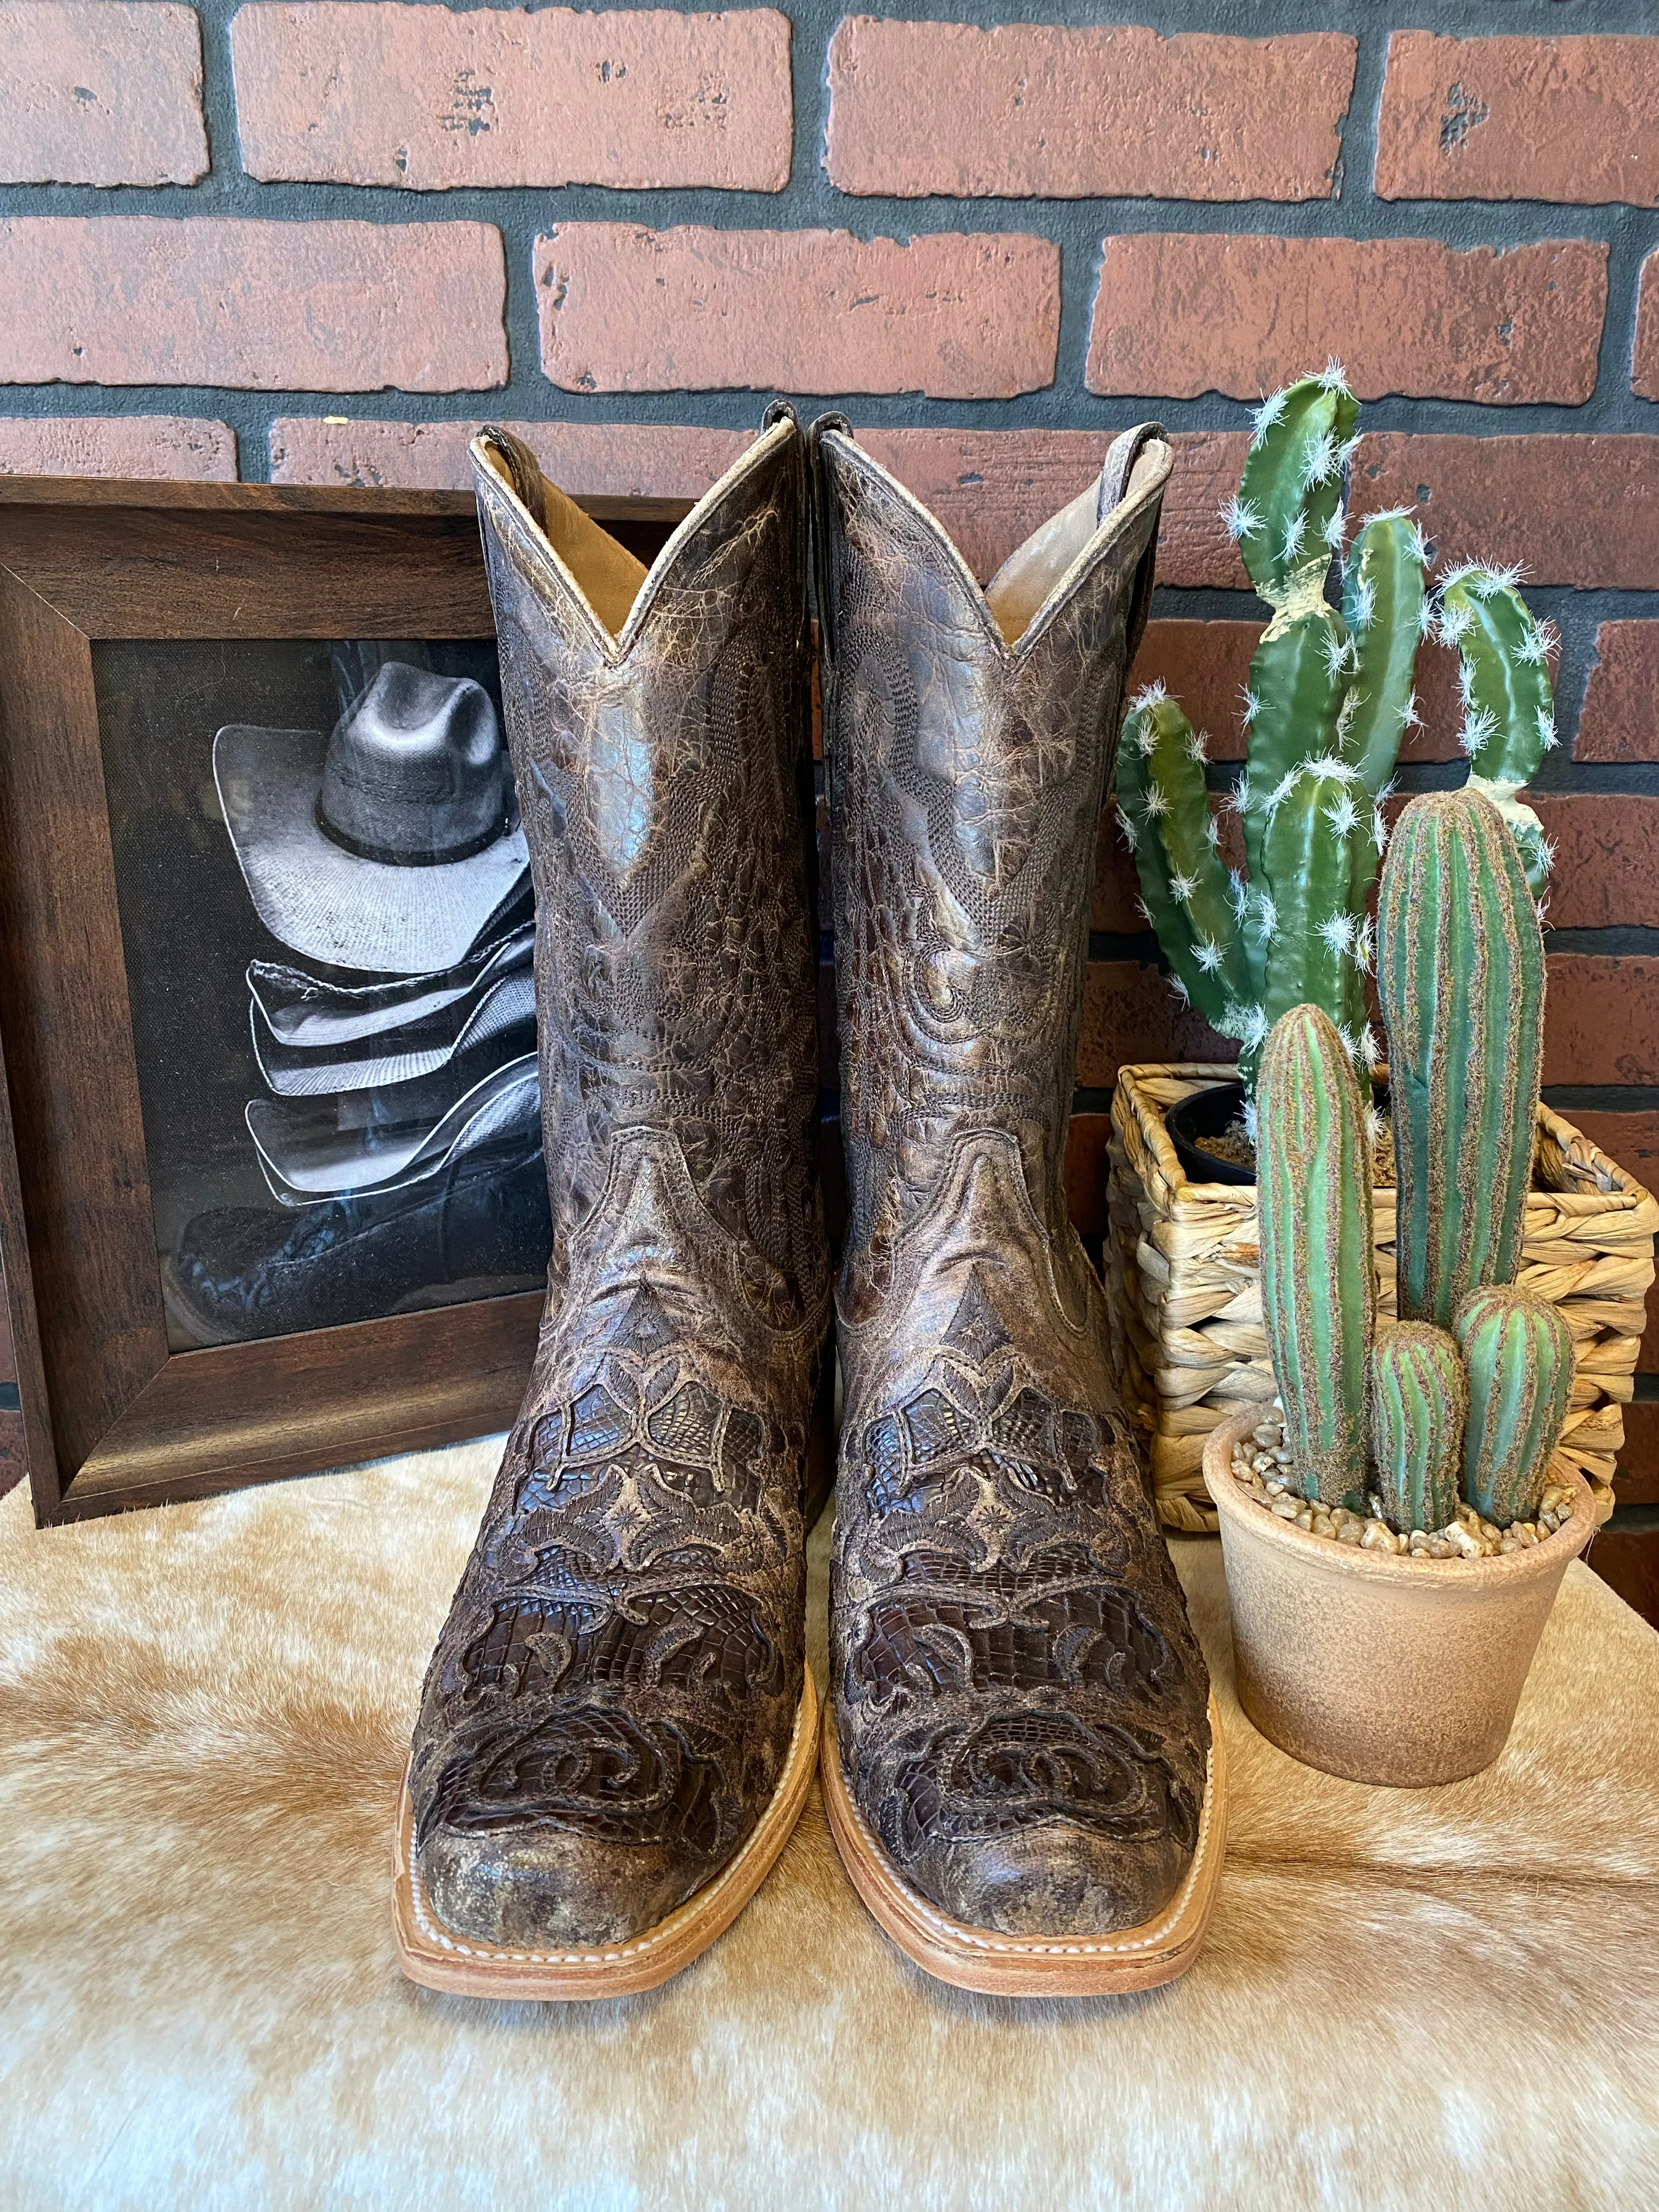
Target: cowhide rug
point(1407, 1998)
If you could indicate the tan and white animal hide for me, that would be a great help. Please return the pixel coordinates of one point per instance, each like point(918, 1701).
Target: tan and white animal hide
point(1407, 1999)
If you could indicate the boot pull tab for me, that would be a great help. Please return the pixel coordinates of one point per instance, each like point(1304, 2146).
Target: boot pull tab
point(1119, 467)
point(1125, 452)
point(819, 497)
point(783, 411)
point(523, 470)
point(819, 475)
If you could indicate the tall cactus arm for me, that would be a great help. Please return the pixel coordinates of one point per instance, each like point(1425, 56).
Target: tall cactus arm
point(1366, 844)
point(1292, 487)
point(1314, 1224)
point(1184, 883)
point(1509, 705)
point(1309, 847)
point(1518, 1352)
point(1461, 961)
point(1382, 603)
point(1300, 673)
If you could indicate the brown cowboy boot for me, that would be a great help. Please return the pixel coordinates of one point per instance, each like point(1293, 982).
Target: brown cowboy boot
point(1019, 1765)
point(617, 1729)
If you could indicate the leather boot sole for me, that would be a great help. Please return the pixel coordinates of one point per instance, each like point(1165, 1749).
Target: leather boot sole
point(436, 1957)
point(1033, 1965)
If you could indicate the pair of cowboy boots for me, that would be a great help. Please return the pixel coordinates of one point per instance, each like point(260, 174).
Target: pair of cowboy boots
point(618, 1725)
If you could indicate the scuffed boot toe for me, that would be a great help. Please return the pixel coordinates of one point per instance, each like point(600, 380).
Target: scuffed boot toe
point(586, 1828)
point(538, 1887)
point(1058, 1880)
point(1028, 1819)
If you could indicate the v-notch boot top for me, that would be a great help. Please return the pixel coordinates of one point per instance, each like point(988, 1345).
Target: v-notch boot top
point(1019, 1768)
point(617, 1727)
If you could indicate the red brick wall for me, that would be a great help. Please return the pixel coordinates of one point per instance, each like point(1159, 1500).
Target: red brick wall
point(319, 240)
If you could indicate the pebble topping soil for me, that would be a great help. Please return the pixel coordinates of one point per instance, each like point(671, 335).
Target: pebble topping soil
point(1264, 1466)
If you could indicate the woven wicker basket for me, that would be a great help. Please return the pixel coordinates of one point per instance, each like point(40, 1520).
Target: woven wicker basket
point(1186, 1333)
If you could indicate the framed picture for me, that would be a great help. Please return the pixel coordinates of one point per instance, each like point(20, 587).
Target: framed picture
point(271, 1193)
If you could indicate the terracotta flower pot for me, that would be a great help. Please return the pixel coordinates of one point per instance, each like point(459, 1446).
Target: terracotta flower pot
point(1372, 1666)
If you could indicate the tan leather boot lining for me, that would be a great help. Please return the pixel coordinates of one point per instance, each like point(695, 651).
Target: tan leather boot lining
point(1030, 573)
point(608, 575)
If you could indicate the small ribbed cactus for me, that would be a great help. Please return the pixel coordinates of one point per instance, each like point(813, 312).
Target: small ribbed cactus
point(1517, 1352)
point(1318, 1280)
point(1462, 988)
point(1508, 706)
point(1418, 1404)
point(1328, 700)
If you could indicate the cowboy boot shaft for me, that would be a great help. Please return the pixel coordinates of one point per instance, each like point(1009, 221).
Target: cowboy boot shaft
point(613, 1699)
point(664, 781)
point(968, 779)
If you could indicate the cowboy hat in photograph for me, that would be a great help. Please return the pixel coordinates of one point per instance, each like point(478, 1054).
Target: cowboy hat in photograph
point(307, 1013)
point(395, 1055)
point(311, 1152)
point(390, 843)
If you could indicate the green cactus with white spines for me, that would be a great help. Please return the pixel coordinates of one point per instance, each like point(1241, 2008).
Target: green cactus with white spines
point(1186, 892)
point(1317, 854)
point(1462, 986)
point(1329, 690)
point(1419, 1399)
point(1517, 1352)
point(1328, 699)
point(1509, 705)
point(1318, 1272)
point(1404, 1407)
point(1386, 607)
point(1286, 519)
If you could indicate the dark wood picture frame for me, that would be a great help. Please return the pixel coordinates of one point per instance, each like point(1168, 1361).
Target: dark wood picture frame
point(113, 1418)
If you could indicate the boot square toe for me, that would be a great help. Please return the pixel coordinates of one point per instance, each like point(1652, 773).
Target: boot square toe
point(588, 1826)
point(535, 1884)
point(547, 1879)
point(1039, 1878)
point(1054, 1878)
point(508, 1913)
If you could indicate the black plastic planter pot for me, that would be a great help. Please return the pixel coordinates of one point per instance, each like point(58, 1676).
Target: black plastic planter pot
point(1210, 1113)
point(1207, 1114)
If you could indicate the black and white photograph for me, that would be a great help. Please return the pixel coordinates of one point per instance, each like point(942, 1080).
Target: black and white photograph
point(327, 918)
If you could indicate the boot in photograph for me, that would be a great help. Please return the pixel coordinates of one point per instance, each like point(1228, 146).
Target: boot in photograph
point(617, 1729)
point(1019, 1763)
point(476, 1227)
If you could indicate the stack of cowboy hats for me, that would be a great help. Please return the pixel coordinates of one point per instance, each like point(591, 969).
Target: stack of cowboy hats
point(386, 854)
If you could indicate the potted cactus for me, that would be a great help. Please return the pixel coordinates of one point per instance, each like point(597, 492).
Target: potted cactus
point(1383, 1623)
point(1329, 699)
